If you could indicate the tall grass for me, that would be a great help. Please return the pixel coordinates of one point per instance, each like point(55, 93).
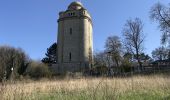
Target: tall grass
point(131, 88)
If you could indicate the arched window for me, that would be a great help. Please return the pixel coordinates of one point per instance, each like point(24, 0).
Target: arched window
point(71, 31)
point(70, 56)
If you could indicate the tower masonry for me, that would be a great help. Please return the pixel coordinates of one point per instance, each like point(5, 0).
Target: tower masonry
point(74, 40)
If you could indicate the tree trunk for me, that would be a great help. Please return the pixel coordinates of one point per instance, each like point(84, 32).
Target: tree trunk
point(139, 62)
point(140, 66)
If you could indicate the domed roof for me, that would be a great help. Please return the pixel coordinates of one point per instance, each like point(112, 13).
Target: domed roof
point(75, 5)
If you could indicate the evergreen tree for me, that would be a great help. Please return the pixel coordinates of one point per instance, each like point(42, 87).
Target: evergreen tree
point(51, 55)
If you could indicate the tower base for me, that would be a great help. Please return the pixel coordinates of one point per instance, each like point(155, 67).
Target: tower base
point(70, 67)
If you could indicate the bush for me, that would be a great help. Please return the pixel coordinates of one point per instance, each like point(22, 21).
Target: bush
point(38, 70)
point(126, 66)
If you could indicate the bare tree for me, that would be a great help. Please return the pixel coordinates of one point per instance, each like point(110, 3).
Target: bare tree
point(113, 47)
point(12, 61)
point(134, 38)
point(161, 14)
point(101, 62)
point(100, 59)
point(160, 53)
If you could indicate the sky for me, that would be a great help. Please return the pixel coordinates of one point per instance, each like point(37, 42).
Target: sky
point(32, 24)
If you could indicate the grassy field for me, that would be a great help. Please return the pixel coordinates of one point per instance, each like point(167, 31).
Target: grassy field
point(155, 87)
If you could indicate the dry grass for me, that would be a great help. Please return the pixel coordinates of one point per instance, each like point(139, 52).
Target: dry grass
point(132, 88)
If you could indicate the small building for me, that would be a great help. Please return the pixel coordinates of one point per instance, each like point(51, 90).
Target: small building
point(161, 63)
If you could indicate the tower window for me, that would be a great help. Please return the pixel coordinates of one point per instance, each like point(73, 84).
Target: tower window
point(71, 31)
point(70, 56)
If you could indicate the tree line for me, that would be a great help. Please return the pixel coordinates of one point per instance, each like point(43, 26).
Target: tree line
point(127, 54)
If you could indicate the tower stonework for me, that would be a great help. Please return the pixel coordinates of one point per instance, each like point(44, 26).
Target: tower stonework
point(74, 40)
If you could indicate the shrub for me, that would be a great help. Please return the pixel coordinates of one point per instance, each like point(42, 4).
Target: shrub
point(126, 66)
point(38, 70)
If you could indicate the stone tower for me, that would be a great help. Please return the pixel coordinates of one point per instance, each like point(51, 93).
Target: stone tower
point(74, 39)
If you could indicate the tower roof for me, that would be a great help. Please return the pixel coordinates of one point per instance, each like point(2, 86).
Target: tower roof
point(76, 3)
point(75, 6)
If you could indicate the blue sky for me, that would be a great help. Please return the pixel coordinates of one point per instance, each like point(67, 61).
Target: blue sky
point(32, 24)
